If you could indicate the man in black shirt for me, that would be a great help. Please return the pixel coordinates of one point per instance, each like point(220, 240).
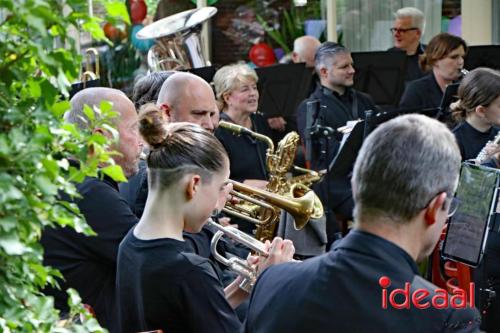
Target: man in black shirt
point(407, 29)
point(88, 264)
point(403, 198)
point(339, 103)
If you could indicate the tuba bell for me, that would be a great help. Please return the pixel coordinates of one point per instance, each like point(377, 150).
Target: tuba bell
point(178, 42)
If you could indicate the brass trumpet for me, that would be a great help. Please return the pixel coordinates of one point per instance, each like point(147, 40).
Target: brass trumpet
point(236, 264)
point(265, 206)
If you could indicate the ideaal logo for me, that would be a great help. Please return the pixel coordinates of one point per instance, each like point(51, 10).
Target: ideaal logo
point(402, 298)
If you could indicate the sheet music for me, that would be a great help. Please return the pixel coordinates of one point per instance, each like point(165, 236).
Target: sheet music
point(347, 129)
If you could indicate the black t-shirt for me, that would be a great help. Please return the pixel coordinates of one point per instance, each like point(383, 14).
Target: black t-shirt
point(470, 140)
point(88, 264)
point(160, 286)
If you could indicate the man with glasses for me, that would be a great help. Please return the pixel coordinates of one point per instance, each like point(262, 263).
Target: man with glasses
point(407, 29)
point(403, 182)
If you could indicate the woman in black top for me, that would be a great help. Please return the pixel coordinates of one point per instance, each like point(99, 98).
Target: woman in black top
point(478, 110)
point(238, 98)
point(443, 59)
point(159, 284)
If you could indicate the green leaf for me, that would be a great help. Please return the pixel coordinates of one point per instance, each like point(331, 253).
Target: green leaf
point(35, 89)
point(45, 185)
point(115, 172)
point(89, 113)
point(11, 244)
point(60, 108)
point(118, 9)
point(8, 223)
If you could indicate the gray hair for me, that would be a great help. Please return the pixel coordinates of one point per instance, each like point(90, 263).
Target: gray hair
point(402, 165)
point(91, 97)
point(325, 54)
point(417, 17)
point(229, 77)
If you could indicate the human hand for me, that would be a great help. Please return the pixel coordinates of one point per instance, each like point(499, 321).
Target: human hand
point(279, 251)
point(277, 123)
point(257, 183)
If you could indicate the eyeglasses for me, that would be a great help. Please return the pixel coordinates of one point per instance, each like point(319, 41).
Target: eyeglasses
point(397, 30)
point(453, 207)
point(454, 202)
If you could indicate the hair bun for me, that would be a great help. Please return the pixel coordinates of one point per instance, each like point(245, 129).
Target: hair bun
point(152, 125)
point(458, 110)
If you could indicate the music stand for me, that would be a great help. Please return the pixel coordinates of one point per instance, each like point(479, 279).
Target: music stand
point(343, 162)
point(483, 56)
point(206, 73)
point(381, 75)
point(282, 88)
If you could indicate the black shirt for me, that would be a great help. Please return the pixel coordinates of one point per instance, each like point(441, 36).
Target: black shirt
point(413, 70)
point(470, 140)
point(161, 286)
point(335, 191)
point(340, 292)
point(88, 264)
point(247, 156)
point(422, 93)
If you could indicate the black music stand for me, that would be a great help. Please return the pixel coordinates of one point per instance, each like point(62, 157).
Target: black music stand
point(483, 56)
point(343, 162)
point(206, 73)
point(282, 87)
point(381, 75)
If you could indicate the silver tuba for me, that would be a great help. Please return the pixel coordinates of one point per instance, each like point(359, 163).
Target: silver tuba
point(178, 43)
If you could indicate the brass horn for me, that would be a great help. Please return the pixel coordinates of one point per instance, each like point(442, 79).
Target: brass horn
point(269, 204)
point(236, 264)
point(178, 41)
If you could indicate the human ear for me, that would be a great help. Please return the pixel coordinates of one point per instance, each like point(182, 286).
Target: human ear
point(323, 71)
point(480, 111)
point(167, 110)
point(433, 208)
point(194, 182)
point(226, 96)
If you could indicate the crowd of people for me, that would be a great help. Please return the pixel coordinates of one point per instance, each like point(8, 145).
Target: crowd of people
point(150, 265)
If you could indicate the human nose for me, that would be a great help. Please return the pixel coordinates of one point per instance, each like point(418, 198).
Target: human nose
point(208, 123)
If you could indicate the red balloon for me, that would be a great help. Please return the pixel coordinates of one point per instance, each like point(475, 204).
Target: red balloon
point(138, 11)
point(261, 54)
point(111, 31)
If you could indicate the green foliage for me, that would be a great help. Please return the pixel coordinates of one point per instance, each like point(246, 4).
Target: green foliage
point(291, 24)
point(38, 61)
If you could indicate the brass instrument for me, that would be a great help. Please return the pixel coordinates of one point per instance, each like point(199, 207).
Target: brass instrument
point(236, 264)
point(269, 204)
point(278, 163)
point(178, 42)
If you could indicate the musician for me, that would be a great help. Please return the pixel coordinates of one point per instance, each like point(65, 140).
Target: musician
point(478, 110)
point(238, 98)
point(159, 284)
point(334, 66)
point(443, 59)
point(403, 198)
point(183, 97)
point(146, 90)
point(407, 30)
point(88, 263)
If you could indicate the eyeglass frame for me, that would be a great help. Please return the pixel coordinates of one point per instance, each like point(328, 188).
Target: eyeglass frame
point(452, 201)
point(396, 30)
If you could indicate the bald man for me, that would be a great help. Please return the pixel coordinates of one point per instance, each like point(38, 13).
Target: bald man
point(88, 263)
point(304, 49)
point(187, 97)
